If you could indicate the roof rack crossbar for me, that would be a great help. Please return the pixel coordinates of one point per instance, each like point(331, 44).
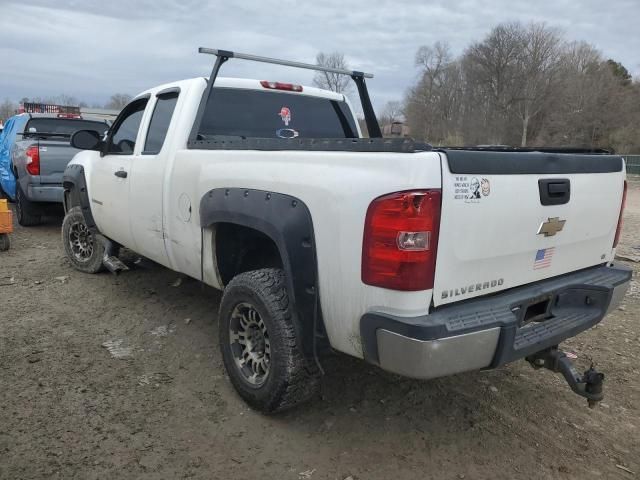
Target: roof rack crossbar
point(286, 63)
point(223, 55)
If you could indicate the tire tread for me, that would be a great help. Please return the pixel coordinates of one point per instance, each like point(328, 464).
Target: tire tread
point(95, 264)
point(299, 381)
point(26, 216)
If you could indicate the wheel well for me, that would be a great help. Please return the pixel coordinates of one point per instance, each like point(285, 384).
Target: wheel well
point(241, 249)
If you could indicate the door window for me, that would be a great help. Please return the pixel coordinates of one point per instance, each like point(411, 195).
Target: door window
point(160, 120)
point(122, 138)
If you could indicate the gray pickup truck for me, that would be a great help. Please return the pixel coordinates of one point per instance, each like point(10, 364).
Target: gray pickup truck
point(39, 157)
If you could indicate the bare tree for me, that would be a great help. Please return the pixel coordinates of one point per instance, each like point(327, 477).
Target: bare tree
point(591, 103)
point(491, 72)
point(118, 101)
point(522, 85)
point(7, 109)
point(431, 106)
point(538, 65)
point(67, 100)
point(332, 81)
point(393, 111)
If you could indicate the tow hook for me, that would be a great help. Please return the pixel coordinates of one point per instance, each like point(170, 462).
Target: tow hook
point(588, 385)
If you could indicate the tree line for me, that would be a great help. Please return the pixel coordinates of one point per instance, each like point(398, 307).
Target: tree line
point(523, 85)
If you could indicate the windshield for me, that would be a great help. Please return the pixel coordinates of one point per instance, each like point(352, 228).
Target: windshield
point(258, 114)
point(63, 126)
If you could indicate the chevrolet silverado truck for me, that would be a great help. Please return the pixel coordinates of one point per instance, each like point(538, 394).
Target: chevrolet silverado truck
point(35, 158)
point(424, 261)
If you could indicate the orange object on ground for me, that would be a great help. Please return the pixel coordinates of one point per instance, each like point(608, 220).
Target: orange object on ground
point(6, 221)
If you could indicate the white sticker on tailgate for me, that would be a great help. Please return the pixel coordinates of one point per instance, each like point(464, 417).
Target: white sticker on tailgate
point(471, 189)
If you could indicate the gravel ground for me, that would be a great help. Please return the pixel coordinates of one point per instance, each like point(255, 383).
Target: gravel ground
point(120, 377)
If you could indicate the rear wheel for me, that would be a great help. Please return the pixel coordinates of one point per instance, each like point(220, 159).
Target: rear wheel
point(259, 346)
point(27, 212)
point(83, 250)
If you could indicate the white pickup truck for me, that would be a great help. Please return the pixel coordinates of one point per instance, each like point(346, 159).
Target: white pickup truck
point(424, 261)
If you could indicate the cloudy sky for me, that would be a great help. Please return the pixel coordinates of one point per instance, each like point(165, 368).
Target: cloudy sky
point(91, 48)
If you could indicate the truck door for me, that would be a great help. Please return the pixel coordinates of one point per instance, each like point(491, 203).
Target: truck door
point(109, 182)
point(147, 180)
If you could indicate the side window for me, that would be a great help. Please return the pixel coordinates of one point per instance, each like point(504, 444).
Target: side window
point(160, 120)
point(122, 139)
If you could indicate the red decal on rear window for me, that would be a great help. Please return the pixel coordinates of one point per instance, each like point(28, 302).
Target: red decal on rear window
point(285, 115)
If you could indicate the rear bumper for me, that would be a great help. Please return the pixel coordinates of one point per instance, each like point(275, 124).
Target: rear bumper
point(489, 332)
point(45, 193)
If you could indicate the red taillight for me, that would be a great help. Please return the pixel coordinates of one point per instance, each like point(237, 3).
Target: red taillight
point(290, 87)
point(33, 160)
point(619, 227)
point(401, 240)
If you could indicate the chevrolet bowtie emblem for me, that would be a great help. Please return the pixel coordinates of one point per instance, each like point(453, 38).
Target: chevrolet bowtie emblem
point(551, 227)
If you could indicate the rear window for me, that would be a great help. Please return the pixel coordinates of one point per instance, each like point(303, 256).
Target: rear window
point(252, 113)
point(64, 126)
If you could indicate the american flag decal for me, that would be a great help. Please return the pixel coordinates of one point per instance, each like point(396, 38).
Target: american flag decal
point(543, 258)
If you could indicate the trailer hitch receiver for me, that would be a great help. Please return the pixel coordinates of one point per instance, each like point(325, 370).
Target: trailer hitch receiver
point(589, 385)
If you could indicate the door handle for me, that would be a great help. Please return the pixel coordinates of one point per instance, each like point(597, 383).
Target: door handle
point(120, 174)
point(554, 191)
point(558, 189)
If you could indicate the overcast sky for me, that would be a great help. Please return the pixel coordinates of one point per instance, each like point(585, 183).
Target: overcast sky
point(92, 48)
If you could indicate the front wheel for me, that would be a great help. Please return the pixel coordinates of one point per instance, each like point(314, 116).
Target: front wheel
point(83, 250)
point(259, 345)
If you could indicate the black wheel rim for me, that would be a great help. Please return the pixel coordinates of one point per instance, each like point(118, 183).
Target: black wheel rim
point(250, 345)
point(80, 242)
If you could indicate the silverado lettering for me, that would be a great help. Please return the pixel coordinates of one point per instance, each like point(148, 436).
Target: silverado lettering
point(471, 288)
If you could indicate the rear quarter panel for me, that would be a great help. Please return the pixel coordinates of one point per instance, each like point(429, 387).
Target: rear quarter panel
point(337, 187)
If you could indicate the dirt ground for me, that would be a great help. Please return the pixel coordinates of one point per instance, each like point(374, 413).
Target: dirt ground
point(120, 377)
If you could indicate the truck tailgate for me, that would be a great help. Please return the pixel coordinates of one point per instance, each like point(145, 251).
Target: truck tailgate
point(54, 157)
point(512, 218)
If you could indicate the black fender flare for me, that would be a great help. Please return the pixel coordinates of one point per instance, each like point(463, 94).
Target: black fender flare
point(287, 221)
point(76, 194)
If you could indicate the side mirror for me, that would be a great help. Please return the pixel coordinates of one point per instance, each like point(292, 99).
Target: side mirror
point(86, 140)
